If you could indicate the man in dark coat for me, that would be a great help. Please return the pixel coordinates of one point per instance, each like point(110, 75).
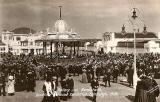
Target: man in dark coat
point(62, 72)
point(115, 74)
point(130, 73)
point(19, 81)
point(55, 74)
point(70, 86)
point(107, 78)
point(2, 84)
point(30, 81)
point(49, 73)
point(89, 75)
point(64, 90)
point(98, 72)
point(94, 85)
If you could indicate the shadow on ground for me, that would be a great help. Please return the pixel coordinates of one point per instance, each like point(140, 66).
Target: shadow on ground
point(89, 98)
point(130, 97)
point(125, 84)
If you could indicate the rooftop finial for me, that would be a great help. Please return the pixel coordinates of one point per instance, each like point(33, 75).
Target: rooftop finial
point(60, 13)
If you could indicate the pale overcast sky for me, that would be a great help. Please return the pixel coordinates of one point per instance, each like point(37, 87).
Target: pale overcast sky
point(89, 18)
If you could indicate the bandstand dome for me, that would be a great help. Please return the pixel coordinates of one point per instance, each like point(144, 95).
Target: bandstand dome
point(60, 26)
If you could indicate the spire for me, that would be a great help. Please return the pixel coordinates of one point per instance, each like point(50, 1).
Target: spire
point(123, 30)
point(60, 15)
point(144, 29)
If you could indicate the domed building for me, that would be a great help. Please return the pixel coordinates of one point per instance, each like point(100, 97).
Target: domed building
point(61, 37)
point(61, 26)
point(60, 30)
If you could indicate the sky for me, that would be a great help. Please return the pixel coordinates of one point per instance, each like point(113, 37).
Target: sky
point(89, 18)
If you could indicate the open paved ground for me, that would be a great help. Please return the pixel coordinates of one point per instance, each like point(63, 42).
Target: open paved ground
point(119, 92)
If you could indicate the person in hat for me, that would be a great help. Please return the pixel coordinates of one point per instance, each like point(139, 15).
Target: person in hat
point(115, 74)
point(11, 83)
point(89, 75)
point(19, 82)
point(98, 71)
point(84, 76)
point(30, 81)
point(107, 77)
point(54, 83)
point(2, 84)
point(130, 73)
point(48, 90)
point(64, 90)
point(70, 86)
point(49, 73)
point(94, 86)
point(153, 90)
point(141, 90)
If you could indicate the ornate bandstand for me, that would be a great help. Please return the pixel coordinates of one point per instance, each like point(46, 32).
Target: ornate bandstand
point(61, 39)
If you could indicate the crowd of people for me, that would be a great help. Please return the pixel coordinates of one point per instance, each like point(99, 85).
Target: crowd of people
point(19, 73)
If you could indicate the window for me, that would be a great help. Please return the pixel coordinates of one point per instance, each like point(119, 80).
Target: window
point(10, 49)
point(5, 37)
point(38, 43)
point(25, 44)
point(10, 37)
point(18, 38)
point(111, 48)
point(2, 49)
point(31, 43)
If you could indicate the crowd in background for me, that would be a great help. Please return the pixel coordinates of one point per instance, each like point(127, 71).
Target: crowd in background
point(21, 72)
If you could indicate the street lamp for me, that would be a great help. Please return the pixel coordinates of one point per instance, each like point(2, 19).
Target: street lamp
point(135, 77)
point(133, 22)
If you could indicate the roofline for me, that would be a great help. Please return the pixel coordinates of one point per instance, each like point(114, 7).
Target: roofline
point(68, 40)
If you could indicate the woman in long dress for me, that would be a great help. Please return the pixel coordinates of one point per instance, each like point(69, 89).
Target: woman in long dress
point(141, 90)
point(84, 76)
point(48, 91)
point(153, 89)
point(19, 83)
point(11, 83)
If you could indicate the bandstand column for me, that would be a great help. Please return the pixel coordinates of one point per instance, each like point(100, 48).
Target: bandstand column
point(57, 51)
point(63, 51)
point(71, 50)
point(77, 49)
point(74, 48)
point(51, 50)
point(44, 48)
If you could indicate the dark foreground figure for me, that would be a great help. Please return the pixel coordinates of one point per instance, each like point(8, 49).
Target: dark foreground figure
point(147, 90)
point(94, 85)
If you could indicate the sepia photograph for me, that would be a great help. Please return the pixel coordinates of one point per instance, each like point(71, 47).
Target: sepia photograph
point(79, 50)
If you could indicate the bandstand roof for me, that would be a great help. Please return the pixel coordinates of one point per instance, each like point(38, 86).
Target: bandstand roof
point(70, 42)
